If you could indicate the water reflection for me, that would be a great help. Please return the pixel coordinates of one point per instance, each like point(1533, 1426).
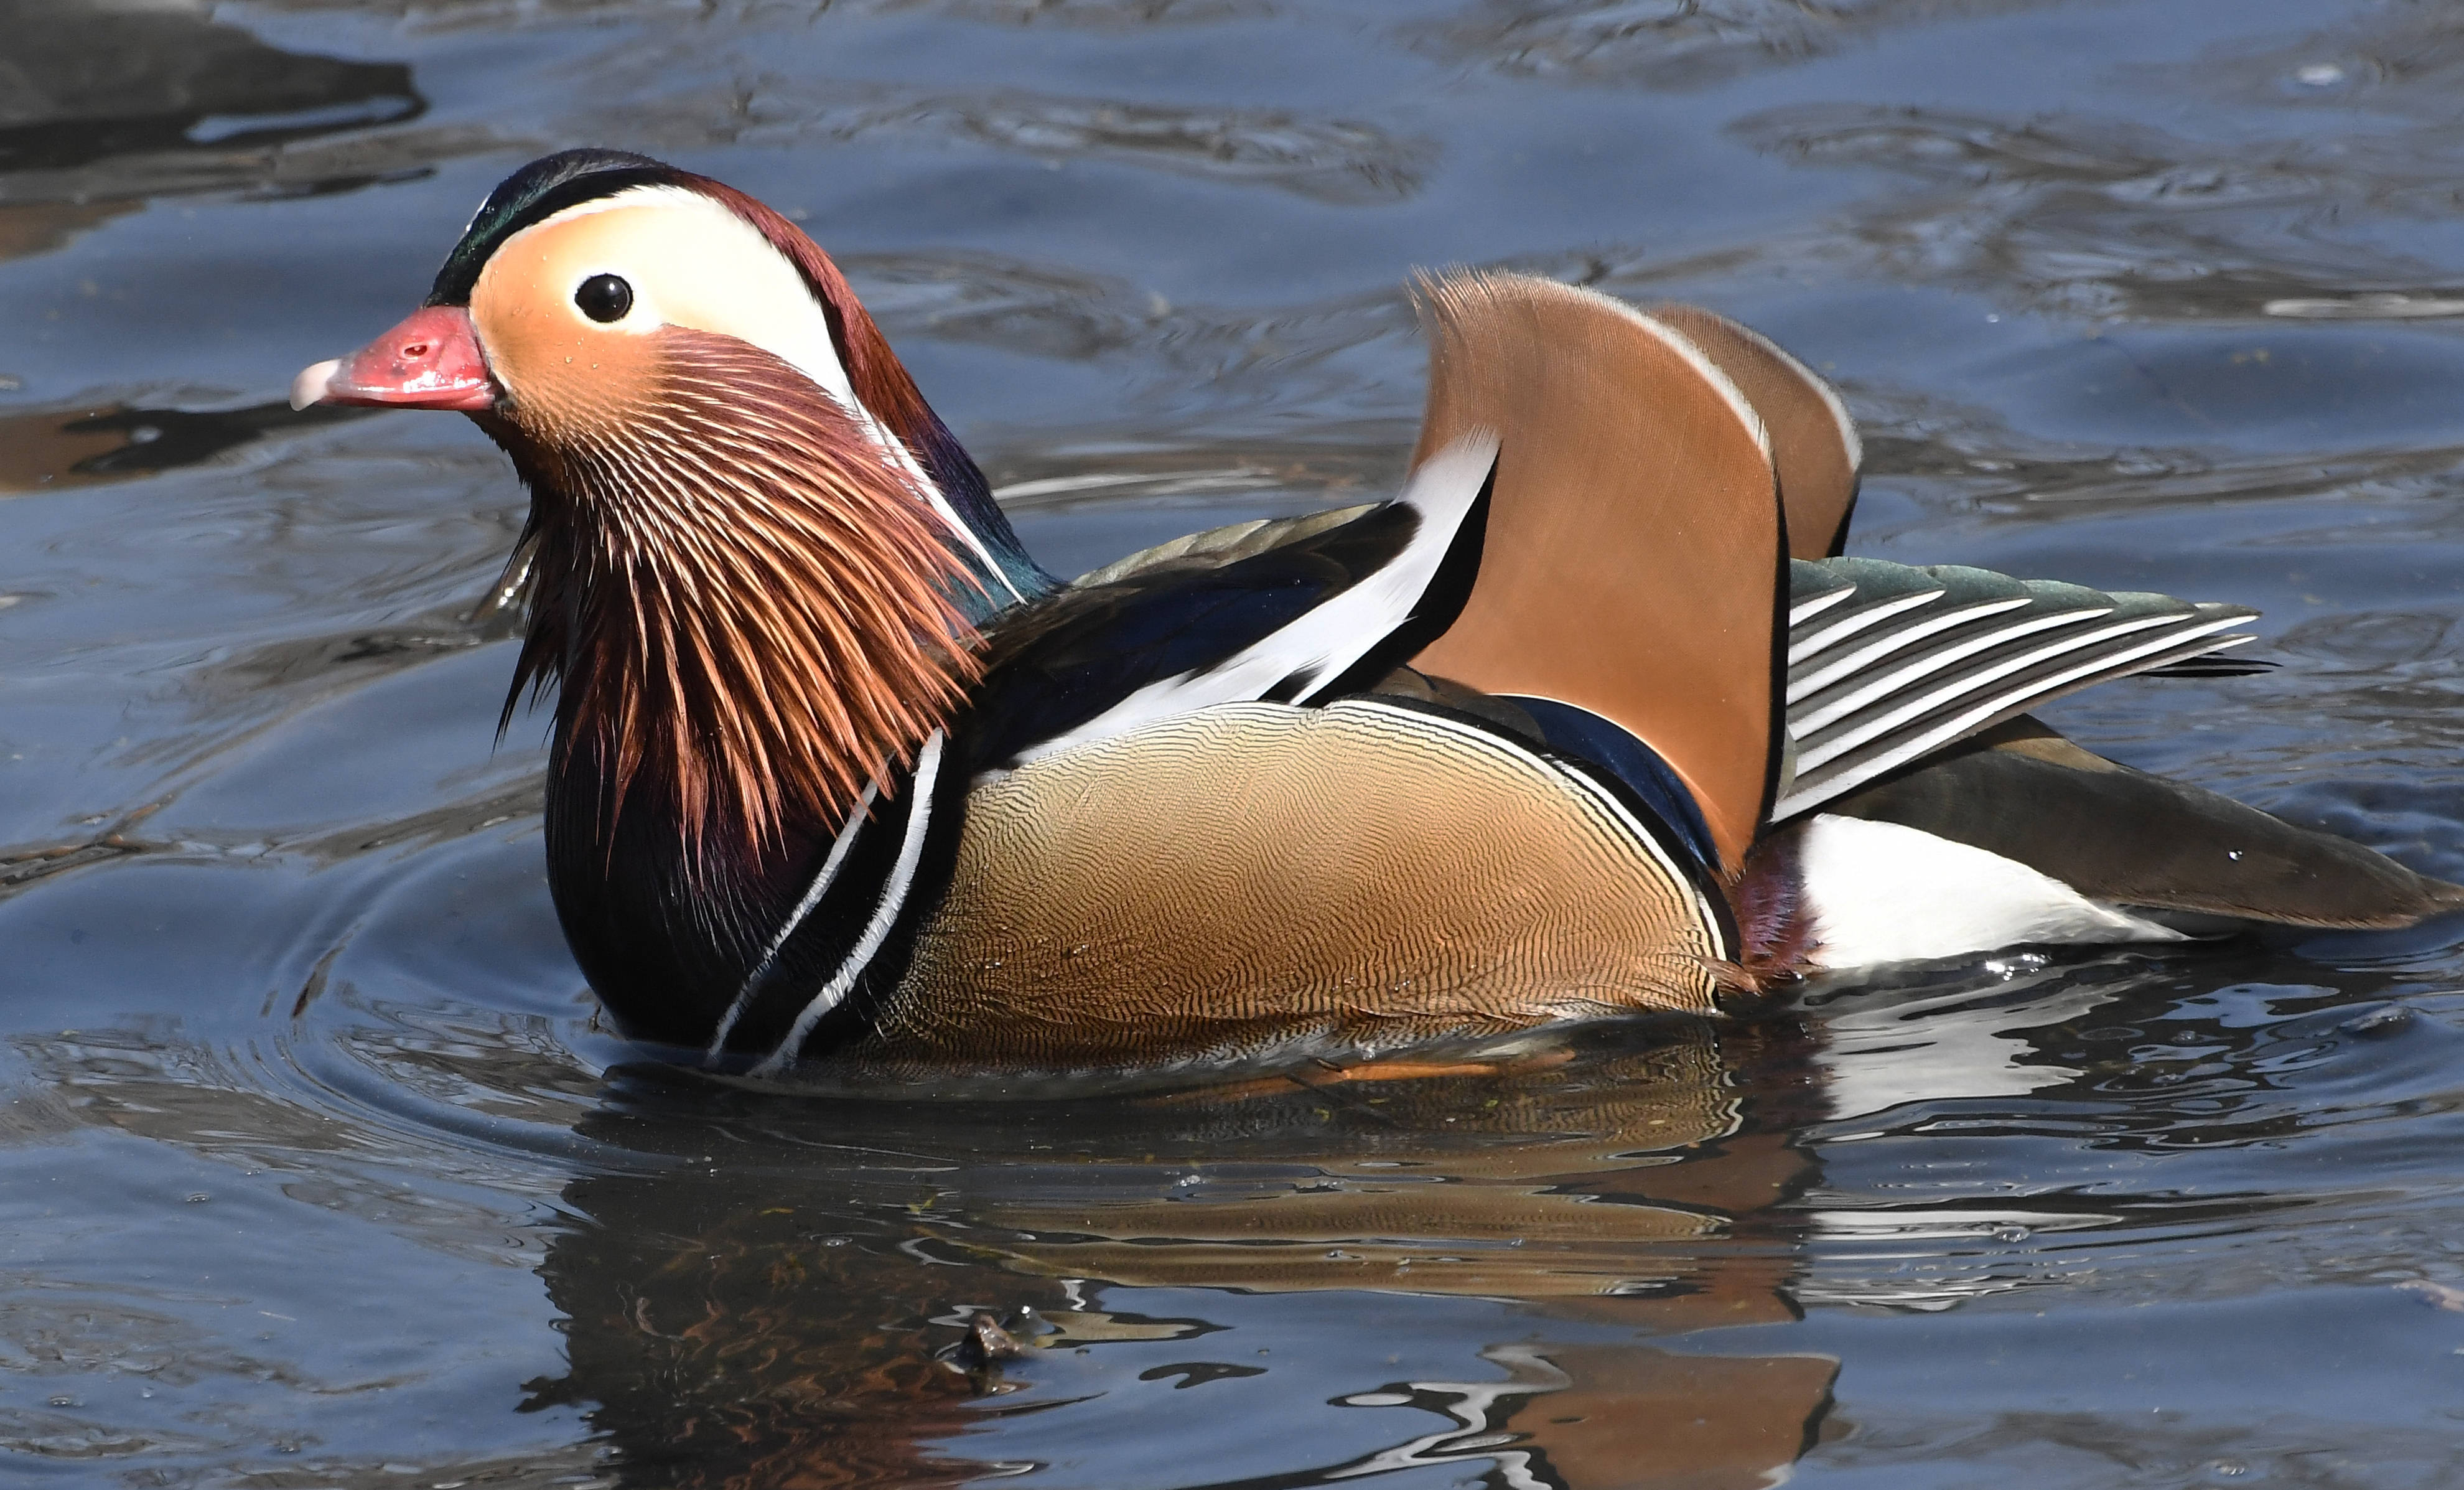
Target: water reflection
point(108, 105)
point(1678, 44)
point(1586, 1271)
point(49, 448)
point(777, 1304)
point(2140, 1114)
point(88, 80)
point(2084, 215)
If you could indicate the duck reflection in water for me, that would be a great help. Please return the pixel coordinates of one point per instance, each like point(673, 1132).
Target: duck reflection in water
point(783, 1295)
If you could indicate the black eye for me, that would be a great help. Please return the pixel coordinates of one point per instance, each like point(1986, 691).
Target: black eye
point(604, 298)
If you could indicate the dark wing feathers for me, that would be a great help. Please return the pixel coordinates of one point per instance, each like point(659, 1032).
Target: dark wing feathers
point(1059, 661)
point(1888, 663)
point(2216, 667)
point(1217, 546)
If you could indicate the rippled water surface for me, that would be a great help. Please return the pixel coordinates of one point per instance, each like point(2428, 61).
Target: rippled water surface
point(315, 1169)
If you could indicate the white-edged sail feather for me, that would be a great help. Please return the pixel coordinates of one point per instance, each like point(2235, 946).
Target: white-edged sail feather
point(1889, 663)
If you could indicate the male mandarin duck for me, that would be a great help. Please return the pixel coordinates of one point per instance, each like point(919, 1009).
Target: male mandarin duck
point(1591, 718)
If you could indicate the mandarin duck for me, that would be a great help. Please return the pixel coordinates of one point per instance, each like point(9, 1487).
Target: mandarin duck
point(1592, 717)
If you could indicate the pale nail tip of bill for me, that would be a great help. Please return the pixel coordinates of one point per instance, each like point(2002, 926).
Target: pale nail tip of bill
point(313, 383)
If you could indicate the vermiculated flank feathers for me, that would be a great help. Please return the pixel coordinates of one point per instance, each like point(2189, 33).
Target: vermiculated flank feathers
point(754, 616)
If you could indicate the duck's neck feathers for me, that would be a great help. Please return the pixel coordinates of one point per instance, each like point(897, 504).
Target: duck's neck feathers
point(746, 612)
point(884, 388)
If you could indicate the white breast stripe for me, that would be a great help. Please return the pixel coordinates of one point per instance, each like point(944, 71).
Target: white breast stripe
point(893, 894)
point(1329, 638)
point(821, 885)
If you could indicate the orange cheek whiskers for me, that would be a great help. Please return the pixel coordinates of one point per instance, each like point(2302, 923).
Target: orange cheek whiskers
point(746, 650)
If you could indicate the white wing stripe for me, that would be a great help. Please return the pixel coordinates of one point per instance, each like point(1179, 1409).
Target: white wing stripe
point(1805, 611)
point(1327, 639)
point(1899, 640)
point(2003, 703)
point(1809, 758)
point(1907, 674)
point(1856, 621)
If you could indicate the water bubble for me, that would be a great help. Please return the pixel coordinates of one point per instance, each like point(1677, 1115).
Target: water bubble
point(2318, 75)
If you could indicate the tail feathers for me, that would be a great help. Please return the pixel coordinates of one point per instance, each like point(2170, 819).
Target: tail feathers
point(1813, 442)
point(2123, 837)
point(1631, 560)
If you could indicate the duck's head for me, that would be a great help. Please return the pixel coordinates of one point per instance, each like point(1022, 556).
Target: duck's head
point(756, 554)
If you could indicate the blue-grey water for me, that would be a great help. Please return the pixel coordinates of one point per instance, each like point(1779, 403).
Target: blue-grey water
point(316, 1168)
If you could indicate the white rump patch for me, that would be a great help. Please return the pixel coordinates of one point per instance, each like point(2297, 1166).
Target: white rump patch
point(1886, 893)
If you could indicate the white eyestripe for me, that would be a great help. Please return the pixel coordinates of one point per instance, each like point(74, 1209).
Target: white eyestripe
point(821, 886)
point(1326, 640)
point(894, 896)
point(791, 326)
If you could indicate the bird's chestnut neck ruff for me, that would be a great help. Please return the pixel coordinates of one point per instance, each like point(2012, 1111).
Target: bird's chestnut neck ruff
point(747, 612)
